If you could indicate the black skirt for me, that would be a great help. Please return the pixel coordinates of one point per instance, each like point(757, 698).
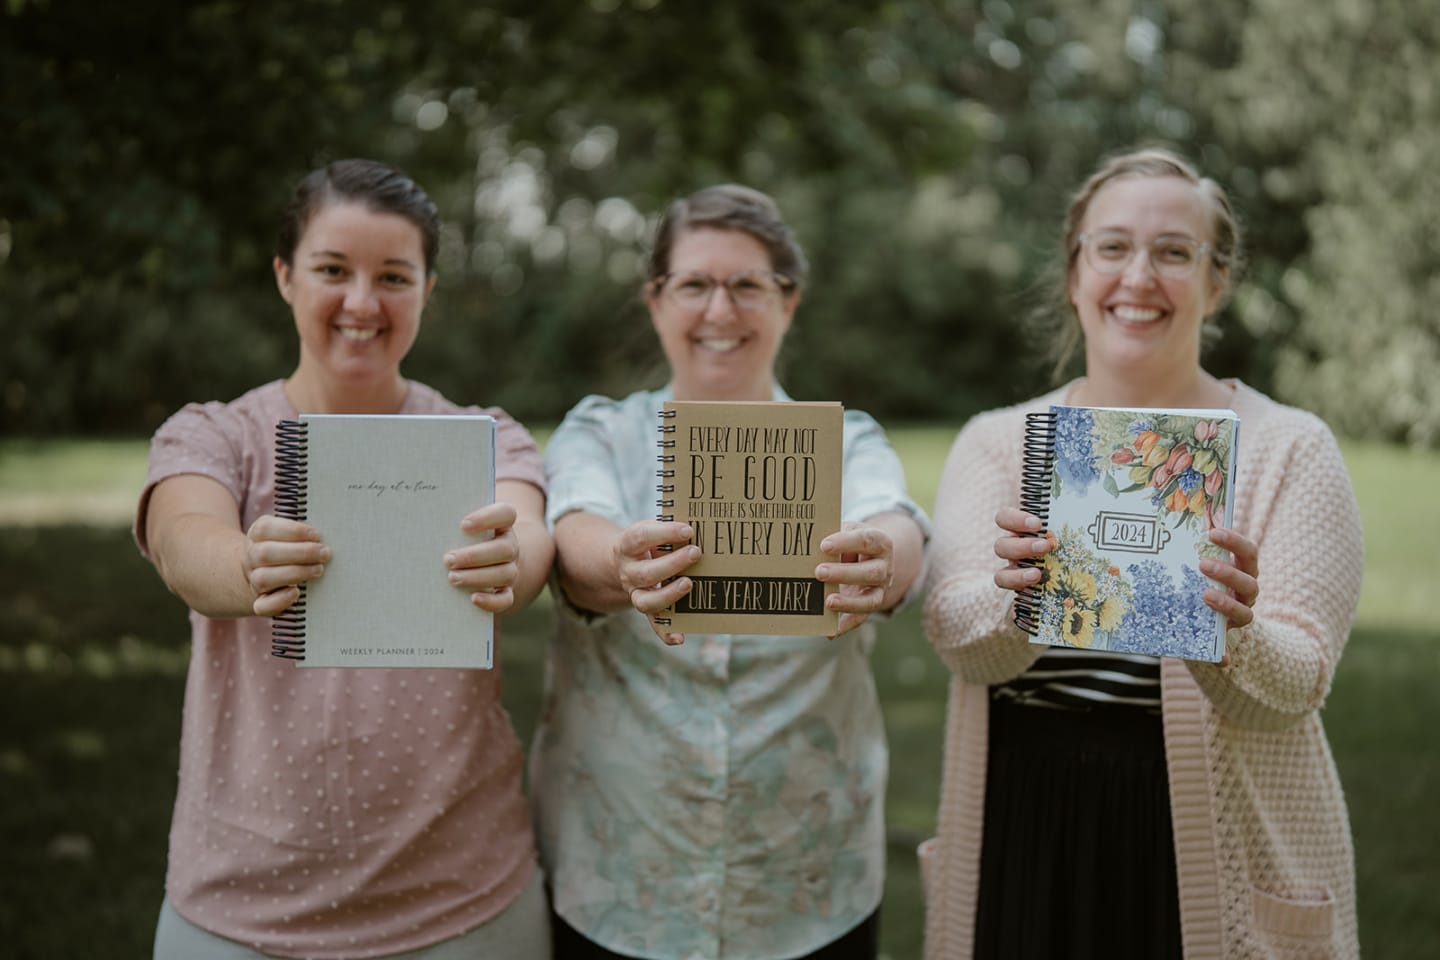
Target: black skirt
point(1078, 855)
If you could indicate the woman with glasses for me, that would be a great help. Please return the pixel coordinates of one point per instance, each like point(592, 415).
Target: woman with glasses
point(706, 795)
point(1114, 805)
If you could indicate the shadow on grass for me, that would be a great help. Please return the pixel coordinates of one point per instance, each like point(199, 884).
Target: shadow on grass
point(92, 658)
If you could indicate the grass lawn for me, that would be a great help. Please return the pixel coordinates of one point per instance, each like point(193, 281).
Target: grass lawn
point(93, 651)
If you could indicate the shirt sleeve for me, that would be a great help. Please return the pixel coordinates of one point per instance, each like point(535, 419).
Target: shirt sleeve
point(201, 438)
point(583, 461)
point(874, 478)
point(517, 455)
point(1312, 556)
point(967, 617)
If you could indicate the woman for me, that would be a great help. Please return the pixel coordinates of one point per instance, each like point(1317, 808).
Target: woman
point(721, 796)
point(1201, 811)
point(312, 819)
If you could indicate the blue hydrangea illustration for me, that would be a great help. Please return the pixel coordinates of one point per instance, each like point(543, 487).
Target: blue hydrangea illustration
point(1151, 621)
point(1189, 480)
point(1138, 427)
point(1168, 618)
point(1075, 448)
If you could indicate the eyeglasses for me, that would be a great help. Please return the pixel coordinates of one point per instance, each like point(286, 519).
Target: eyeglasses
point(1110, 252)
point(751, 291)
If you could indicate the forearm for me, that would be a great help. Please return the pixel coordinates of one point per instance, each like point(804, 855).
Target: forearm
point(537, 552)
point(1311, 556)
point(587, 564)
point(907, 554)
point(201, 560)
point(967, 616)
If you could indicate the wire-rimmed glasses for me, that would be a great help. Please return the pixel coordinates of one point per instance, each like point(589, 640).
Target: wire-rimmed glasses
point(751, 291)
point(1172, 255)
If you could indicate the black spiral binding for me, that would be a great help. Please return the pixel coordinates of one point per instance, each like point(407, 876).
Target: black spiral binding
point(666, 472)
point(1038, 460)
point(287, 630)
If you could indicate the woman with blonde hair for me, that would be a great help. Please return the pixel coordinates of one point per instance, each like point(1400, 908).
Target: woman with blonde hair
point(1116, 805)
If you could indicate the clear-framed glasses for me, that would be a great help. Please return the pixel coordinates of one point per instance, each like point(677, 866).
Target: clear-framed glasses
point(1172, 255)
point(751, 291)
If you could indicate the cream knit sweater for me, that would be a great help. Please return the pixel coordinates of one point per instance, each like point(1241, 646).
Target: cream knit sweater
point(1262, 840)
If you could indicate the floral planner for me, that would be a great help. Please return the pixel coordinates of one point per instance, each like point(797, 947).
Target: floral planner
point(1128, 497)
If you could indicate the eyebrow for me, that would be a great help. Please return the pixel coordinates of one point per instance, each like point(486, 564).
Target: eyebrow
point(1168, 235)
point(337, 255)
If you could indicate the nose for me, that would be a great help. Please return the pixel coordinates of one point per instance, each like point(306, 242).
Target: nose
point(720, 306)
point(1139, 272)
point(360, 298)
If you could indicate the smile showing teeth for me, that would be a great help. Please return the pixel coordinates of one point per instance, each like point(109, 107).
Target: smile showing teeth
point(1136, 314)
point(720, 346)
point(359, 333)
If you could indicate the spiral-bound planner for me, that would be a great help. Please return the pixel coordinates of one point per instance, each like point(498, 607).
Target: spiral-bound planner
point(1129, 497)
point(759, 483)
point(387, 494)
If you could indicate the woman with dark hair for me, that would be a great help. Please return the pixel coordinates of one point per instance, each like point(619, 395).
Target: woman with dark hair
point(339, 813)
point(1113, 805)
point(711, 796)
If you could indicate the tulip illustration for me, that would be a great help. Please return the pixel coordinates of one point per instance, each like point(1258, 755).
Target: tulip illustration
point(1213, 481)
point(1206, 430)
point(1122, 456)
point(1197, 501)
point(1156, 455)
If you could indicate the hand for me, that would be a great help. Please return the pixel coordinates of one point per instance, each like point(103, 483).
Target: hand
point(864, 572)
point(643, 568)
point(1240, 577)
point(279, 556)
point(489, 568)
point(1022, 540)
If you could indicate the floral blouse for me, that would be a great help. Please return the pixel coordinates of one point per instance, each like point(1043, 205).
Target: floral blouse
point(724, 798)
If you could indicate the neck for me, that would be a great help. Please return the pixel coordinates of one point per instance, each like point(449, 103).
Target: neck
point(311, 393)
point(763, 390)
point(1194, 388)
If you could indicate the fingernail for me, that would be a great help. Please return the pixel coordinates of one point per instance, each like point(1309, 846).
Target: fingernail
point(687, 532)
point(822, 572)
point(449, 559)
point(454, 577)
point(827, 546)
point(1032, 574)
point(1032, 523)
point(1039, 546)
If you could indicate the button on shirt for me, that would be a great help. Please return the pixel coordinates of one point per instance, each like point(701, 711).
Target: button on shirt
point(723, 798)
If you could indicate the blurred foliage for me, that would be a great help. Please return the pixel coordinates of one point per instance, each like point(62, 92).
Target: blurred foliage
point(923, 150)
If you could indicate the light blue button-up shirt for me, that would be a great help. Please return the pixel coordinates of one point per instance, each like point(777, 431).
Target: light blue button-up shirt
point(724, 798)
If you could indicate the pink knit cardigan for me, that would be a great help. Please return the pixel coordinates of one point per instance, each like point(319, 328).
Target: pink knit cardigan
point(1262, 840)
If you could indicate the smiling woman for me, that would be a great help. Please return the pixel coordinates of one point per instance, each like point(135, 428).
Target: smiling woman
point(712, 795)
point(1199, 796)
point(300, 827)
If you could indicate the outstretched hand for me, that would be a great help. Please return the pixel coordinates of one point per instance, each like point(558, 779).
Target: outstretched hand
point(1022, 540)
point(1240, 578)
point(489, 568)
point(864, 571)
point(644, 568)
point(279, 556)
